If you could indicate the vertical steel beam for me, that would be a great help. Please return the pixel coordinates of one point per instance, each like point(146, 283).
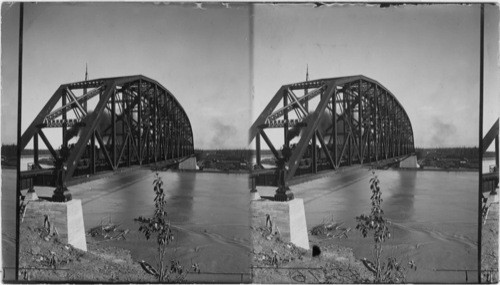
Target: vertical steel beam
point(257, 146)
point(65, 119)
point(360, 123)
point(314, 154)
point(155, 123)
point(127, 119)
point(139, 121)
point(369, 127)
point(35, 150)
point(148, 129)
point(496, 151)
point(349, 114)
point(123, 117)
point(285, 117)
point(334, 128)
point(113, 129)
point(387, 127)
point(376, 110)
point(92, 164)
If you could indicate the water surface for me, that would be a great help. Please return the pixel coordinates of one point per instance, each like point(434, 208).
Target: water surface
point(209, 211)
point(433, 215)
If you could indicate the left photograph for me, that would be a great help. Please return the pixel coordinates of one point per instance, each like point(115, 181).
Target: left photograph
point(133, 167)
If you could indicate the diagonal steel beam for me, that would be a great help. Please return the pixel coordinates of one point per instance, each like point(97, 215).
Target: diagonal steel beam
point(254, 129)
point(280, 112)
point(325, 149)
point(117, 162)
point(47, 143)
point(103, 148)
point(33, 129)
point(490, 136)
point(75, 100)
point(269, 143)
point(58, 112)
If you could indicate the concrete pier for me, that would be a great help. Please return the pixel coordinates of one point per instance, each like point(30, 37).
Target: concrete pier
point(188, 164)
point(409, 162)
point(287, 217)
point(66, 218)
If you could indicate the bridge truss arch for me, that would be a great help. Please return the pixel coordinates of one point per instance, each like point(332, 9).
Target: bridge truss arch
point(348, 120)
point(109, 123)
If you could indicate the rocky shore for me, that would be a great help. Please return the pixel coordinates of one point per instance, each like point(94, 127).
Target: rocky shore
point(43, 258)
point(277, 261)
point(489, 248)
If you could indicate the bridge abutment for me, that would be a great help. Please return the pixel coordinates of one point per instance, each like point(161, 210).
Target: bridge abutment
point(288, 218)
point(188, 164)
point(65, 218)
point(409, 162)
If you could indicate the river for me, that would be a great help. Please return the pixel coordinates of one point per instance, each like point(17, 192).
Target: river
point(9, 223)
point(433, 214)
point(209, 213)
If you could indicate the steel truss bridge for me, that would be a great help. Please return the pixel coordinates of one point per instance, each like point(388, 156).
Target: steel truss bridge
point(490, 179)
point(332, 122)
point(106, 124)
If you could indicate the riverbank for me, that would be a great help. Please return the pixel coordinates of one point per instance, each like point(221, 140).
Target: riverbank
point(205, 210)
point(489, 248)
point(276, 261)
point(44, 258)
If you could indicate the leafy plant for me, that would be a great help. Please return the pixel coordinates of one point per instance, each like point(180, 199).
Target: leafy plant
point(391, 271)
point(159, 227)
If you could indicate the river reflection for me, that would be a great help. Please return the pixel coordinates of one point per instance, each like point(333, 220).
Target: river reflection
point(433, 215)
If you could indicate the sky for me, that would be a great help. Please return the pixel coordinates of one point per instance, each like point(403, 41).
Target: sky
point(200, 55)
point(426, 55)
point(223, 70)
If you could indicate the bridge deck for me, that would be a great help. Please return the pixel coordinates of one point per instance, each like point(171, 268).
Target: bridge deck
point(490, 181)
point(266, 177)
point(45, 177)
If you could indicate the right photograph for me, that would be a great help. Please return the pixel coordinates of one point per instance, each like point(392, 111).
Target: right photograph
point(367, 156)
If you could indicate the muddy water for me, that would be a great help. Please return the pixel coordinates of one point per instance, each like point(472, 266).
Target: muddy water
point(9, 223)
point(433, 214)
point(208, 211)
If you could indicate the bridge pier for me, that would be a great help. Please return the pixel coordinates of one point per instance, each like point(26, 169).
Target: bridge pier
point(66, 219)
point(288, 218)
point(409, 162)
point(188, 164)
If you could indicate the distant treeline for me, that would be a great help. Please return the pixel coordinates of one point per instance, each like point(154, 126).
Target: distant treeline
point(470, 153)
point(223, 154)
point(489, 154)
point(10, 150)
point(451, 152)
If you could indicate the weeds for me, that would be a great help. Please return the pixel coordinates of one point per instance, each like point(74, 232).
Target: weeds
point(392, 270)
point(159, 227)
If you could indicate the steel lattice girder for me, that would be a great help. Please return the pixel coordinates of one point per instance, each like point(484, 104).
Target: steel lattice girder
point(135, 120)
point(356, 120)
